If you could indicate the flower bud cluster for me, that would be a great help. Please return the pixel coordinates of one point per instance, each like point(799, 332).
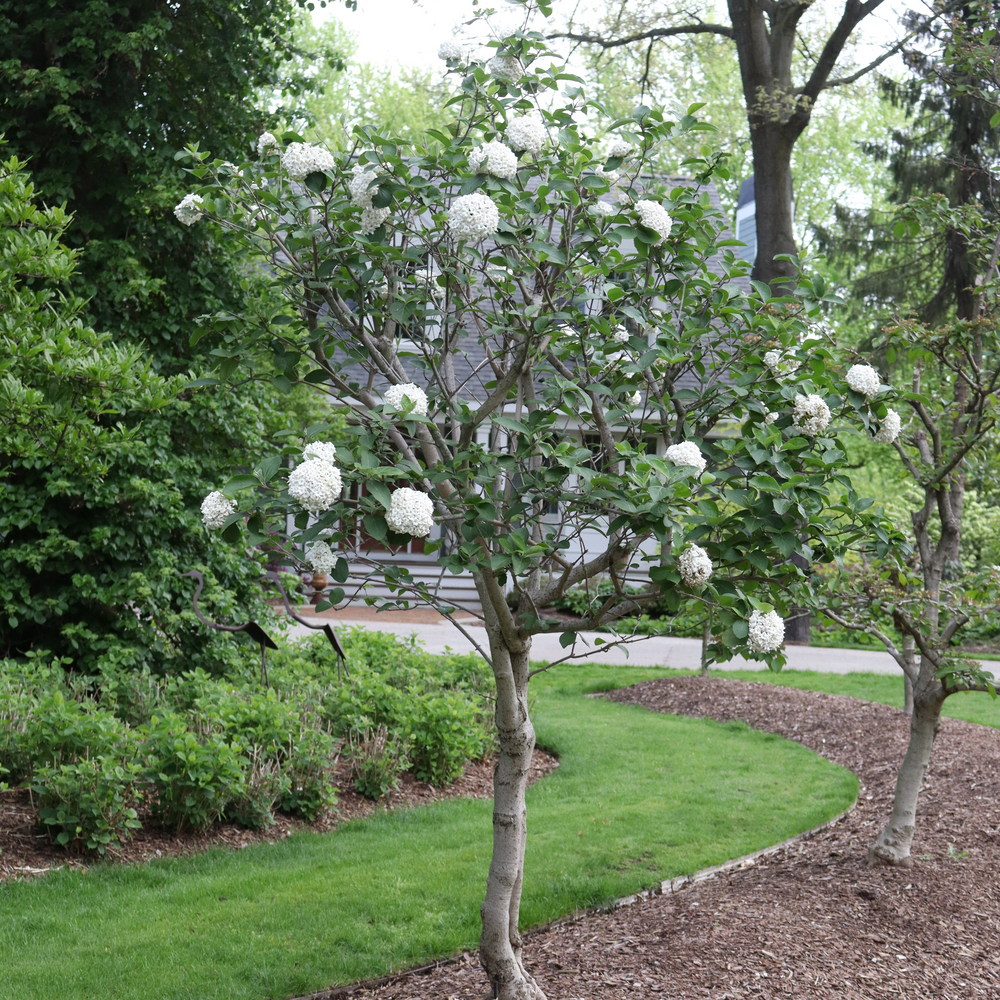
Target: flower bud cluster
point(687, 453)
point(494, 158)
point(315, 484)
point(410, 513)
point(767, 632)
point(810, 415)
point(694, 565)
point(654, 216)
point(449, 50)
point(526, 133)
point(322, 558)
point(505, 69)
point(215, 508)
point(890, 429)
point(473, 217)
point(863, 379)
point(395, 395)
point(301, 159)
point(266, 144)
point(188, 211)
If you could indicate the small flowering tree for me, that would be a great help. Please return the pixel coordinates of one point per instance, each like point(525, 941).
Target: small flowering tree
point(532, 341)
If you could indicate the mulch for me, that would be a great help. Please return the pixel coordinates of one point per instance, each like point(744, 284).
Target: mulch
point(26, 852)
point(811, 920)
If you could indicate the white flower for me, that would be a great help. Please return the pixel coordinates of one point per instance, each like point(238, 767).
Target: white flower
point(322, 558)
point(635, 399)
point(863, 379)
point(611, 176)
point(494, 158)
point(358, 186)
point(410, 513)
point(526, 133)
point(694, 565)
point(215, 508)
point(322, 450)
point(301, 159)
point(890, 429)
point(265, 143)
point(620, 335)
point(449, 50)
point(372, 218)
point(604, 208)
point(620, 147)
point(395, 394)
point(767, 632)
point(654, 216)
point(473, 217)
point(779, 364)
point(315, 484)
point(686, 453)
point(187, 210)
point(769, 417)
point(505, 69)
point(811, 415)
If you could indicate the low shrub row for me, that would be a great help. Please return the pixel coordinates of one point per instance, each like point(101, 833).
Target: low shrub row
point(97, 752)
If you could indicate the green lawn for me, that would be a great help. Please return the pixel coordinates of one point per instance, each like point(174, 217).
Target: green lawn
point(638, 797)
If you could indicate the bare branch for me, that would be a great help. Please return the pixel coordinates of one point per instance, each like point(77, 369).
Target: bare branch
point(890, 646)
point(653, 33)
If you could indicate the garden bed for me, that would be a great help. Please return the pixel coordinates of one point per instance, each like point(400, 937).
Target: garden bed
point(24, 852)
point(811, 920)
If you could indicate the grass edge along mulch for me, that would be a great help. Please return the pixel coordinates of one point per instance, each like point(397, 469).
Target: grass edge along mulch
point(313, 911)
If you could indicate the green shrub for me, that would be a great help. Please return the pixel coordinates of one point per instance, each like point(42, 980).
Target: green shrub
point(307, 766)
point(195, 780)
point(263, 784)
point(90, 803)
point(377, 761)
point(444, 731)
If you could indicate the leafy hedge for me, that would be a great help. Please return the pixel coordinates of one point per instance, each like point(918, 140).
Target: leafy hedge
point(95, 751)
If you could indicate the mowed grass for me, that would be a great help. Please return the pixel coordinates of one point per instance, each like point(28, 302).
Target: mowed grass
point(638, 797)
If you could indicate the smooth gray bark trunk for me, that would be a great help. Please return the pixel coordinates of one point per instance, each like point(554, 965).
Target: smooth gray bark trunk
point(893, 844)
point(500, 949)
point(706, 638)
point(909, 652)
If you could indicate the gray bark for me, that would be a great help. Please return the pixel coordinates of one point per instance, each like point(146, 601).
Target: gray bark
point(909, 647)
point(706, 638)
point(893, 844)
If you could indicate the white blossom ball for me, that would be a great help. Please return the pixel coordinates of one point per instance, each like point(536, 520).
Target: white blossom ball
point(767, 632)
point(449, 50)
point(323, 450)
point(686, 453)
point(372, 218)
point(188, 210)
point(505, 69)
point(654, 216)
point(694, 565)
point(215, 508)
point(395, 395)
point(810, 416)
point(635, 399)
point(410, 513)
point(773, 361)
point(769, 416)
point(473, 217)
point(620, 335)
point(494, 158)
point(315, 484)
point(780, 365)
point(358, 186)
point(604, 208)
point(301, 159)
point(620, 147)
point(526, 133)
point(322, 558)
point(265, 143)
point(863, 379)
point(890, 429)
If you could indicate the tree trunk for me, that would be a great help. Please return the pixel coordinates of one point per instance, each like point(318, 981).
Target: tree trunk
point(500, 945)
point(894, 842)
point(909, 654)
point(706, 638)
point(772, 164)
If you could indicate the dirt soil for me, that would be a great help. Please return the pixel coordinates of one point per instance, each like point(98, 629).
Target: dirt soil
point(24, 852)
point(812, 920)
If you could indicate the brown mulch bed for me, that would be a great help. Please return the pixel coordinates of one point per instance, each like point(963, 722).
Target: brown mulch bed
point(811, 920)
point(24, 852)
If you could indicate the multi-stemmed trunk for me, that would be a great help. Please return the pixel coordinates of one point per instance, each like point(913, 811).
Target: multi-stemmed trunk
point(500, 950)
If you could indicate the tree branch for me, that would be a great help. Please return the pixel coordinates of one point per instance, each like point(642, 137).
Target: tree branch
point(653, 33)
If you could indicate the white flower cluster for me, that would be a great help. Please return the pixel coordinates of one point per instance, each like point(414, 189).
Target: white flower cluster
point(863, 379)
point(187, 210)
point(322, 558)
point(215, 508)
point(890, 428)
point(505, 69)
point(526, 133)
point(372, 218)
point(449, 50)
point(620, 335)
point(494, 158)
point(686, 453)
point(358, 185)
point(323, 450)
point(265, 143)
point(302, 159)
point(316, 484)
point(410, 513)
point(395, 395)
point(654, 216)
point(619, 146)
point(779, 364)
point(635, 399)
point(769, 416)
point(473, 217)
point(604, 208)
point(767, 632)
point(694, 565)
point(810, 415)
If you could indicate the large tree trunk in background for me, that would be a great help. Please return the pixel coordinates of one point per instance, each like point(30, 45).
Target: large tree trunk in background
point(772, 164)
point(500, 945)
point(909, 653)
point(893, 844)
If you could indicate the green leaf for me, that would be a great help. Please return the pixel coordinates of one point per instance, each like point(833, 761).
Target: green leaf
point(202, 381)
point(268, 469)
point(567, 639)
point(375, 526)
point(381, 493)
point(238, 483)
point(341, 570)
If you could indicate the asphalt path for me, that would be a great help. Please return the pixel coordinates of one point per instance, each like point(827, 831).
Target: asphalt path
point(650, 651)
